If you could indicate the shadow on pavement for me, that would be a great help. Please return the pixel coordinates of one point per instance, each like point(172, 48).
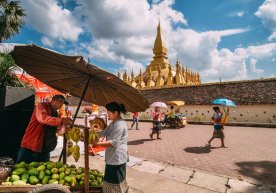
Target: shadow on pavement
point(199, 150)
point(138, 142)
point(263, 172)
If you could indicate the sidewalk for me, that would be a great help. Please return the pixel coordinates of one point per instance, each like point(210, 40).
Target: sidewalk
point(153, 177)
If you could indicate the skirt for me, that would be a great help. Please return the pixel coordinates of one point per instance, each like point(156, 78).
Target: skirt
point(156, 127)
point(218, 134)
point(115, 179)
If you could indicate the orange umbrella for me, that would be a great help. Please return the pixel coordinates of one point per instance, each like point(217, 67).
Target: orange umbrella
point(41, 90)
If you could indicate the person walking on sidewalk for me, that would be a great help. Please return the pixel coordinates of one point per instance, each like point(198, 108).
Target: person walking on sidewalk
point(218, 127)
point(135, 120)
point(116, 154)
point(156, 117)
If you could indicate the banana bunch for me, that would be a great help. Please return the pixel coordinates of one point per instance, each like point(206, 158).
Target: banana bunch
point(93, 137)
point(75, 134)
point(76, 152)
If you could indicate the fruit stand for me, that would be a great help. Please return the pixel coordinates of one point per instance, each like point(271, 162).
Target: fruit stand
point(72, 74)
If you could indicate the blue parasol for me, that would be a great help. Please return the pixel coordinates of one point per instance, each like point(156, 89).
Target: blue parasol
point(224, 102)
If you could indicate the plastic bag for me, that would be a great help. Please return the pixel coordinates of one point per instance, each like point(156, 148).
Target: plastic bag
point(6, 164)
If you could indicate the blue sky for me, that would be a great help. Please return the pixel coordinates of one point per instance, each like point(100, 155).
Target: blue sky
point(231, 39)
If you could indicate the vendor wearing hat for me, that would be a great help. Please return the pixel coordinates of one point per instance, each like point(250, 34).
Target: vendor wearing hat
point(40, 136)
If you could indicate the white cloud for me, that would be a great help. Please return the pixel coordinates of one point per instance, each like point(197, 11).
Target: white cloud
point(253, 67)
point(272, 36)
point(267, 12)
point(129, 39)
point(54, 22)
point(236, 14)
point(123, 33)
point(47, 41)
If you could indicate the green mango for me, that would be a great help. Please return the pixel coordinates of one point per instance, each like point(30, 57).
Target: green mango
point(74, 181)
point(54, 170)
point(78, 177)
point(19, 183)
point(53, 181)
point(62, 169)
point(6, 183)
point(55, 176)
point(67, 171)
point(59, 164)
point(61, 176)
point(20, 165)
point(91, 177)
point(93, 172)
point(45, 180)
point(51, 166)
point(33, 180)
point(79, 171)
point(48, 172)
point(99, 180)
point(73, 166)
point(68, 179)
point(25, 177)
point(34, 164)
point(94, 183)
point(14, 178)
point(61, 182)
point(73, 172)
point(19, 171)
point(81, 183)
point(41, 175)
point(33, 172)
point(41, 168)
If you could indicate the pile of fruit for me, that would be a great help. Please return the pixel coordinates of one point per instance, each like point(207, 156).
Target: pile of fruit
point(41, 173)
point(74, 135)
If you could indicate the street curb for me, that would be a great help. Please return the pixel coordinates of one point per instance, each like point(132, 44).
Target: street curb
point(165, 165)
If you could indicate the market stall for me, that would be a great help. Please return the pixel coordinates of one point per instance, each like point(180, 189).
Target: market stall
point(71, 74)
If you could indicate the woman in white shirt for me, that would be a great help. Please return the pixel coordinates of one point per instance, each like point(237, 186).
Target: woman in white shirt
point(116, 155)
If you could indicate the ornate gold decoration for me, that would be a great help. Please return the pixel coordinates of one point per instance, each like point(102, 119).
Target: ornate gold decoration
point(160, 73)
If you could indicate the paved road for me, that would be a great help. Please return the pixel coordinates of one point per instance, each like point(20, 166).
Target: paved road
point(251, 151)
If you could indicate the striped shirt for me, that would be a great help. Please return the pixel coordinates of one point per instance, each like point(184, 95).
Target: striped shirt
point(116, 133)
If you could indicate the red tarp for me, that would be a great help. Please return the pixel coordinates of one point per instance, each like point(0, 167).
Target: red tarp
point(41, 90)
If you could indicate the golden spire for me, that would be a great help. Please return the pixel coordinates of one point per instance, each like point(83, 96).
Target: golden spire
point(132, 75)
point(119, 75)
point(125, 76)
point(159, 81)
point(128, 79)
point(132, 81)
point(178, 68)
point(170, 77)
point(141, 83)
point(159, 45)
point(183, 74)
point(150, 82)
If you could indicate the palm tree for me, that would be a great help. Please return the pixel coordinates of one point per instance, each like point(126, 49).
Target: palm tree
point(11, 19)
point(7, 72)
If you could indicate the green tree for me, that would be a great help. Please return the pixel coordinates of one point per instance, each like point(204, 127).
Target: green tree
point(7, 72)
point(11, 19)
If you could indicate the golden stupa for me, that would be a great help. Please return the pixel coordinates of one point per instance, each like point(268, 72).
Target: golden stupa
point(160, 73)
